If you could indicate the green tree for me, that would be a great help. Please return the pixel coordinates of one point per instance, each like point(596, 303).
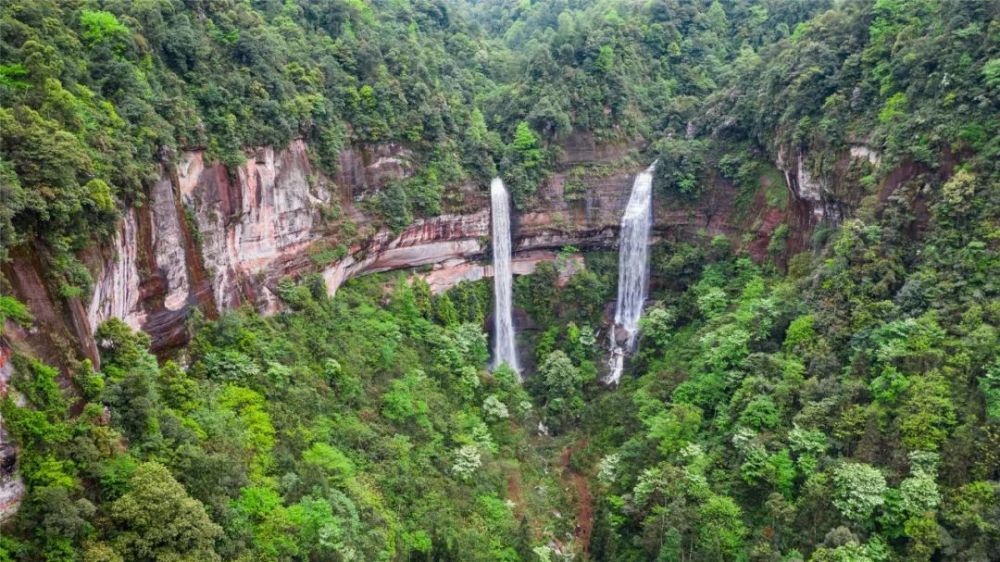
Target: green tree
point(721, 530)
point(859, 490)
point(156, 520)
point(563, 390)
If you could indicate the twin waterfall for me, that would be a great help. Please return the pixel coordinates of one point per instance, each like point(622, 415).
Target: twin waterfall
point(504, 346)
point(633, 270)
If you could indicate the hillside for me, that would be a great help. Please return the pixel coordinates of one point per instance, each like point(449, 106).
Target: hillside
point(247, 296)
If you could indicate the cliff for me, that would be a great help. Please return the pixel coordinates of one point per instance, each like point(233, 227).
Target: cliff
point(213, 238)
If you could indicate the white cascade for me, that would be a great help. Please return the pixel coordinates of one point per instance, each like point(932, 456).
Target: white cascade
point(504, 346)
point(633, 271)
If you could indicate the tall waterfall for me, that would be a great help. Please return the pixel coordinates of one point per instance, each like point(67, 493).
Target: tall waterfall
point(504, 349)
point(633, 270)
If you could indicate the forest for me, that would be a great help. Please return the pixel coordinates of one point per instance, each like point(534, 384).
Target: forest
point(829, 395)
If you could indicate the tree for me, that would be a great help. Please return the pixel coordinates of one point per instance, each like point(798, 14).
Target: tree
point(63, 520)
point(858, 491)
point(674, 428)
point(605, 60)
point(157, 521)
point(444, 311)
point(468, 460)
point(100, 26)
point(927, 413)
point(721, 530)
point(523, 166)
point(563, 390)
point(494, 409)
point(526, 145)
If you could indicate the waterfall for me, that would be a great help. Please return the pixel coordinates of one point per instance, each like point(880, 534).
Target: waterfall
point(633, 270)
point(504, 350)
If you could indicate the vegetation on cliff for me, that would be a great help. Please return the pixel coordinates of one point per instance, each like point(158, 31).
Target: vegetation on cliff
point(835, 398)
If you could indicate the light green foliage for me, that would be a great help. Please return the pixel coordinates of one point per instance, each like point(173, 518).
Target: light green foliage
point(259, 436)
point(712, 302)
point(403, 402)
point(526, 144)
point(801, 334)
point(919, 494)
point(524, 164)
point(607, 469)
point(810, 446)
point(330, 461)
point(494, 409)
point(605, 59)
point(760, 413)
point(859, 490)
point(100, 26)
point(893, 109)
point(657, 324)
point(721, 529)
point(674, 428)
point(927, 413)
point(468, 460)
point(444, 311)
point(889, 386)
point(15, 310)
point(850, 552)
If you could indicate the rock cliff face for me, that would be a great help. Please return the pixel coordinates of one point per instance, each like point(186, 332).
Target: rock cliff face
point(248, 219)
point(822, 193)
point(214, 238)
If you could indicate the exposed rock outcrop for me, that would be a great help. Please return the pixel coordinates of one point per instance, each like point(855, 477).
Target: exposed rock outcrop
point(117, 286)
point(214, 238)
point(366, 169)
point(263, 211)
point(800, 182)
point(169, 244)
point(449, 273)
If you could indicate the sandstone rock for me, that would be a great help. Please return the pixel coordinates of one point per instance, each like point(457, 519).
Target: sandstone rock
point(217, 238)
point(169, 243)
point(116, 291)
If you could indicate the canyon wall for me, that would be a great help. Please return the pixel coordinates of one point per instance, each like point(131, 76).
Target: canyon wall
point(214, 238)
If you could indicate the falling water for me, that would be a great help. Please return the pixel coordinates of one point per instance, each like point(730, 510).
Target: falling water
point(504, 350)
point(633, 268)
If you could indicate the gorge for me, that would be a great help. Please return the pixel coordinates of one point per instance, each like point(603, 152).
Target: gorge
point(518, 280)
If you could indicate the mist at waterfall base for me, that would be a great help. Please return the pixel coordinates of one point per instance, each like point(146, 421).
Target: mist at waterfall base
point(504, 346)
point(633, 271)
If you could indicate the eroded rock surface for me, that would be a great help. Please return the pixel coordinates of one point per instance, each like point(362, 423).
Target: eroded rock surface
point(116, 289)
point(215, 238)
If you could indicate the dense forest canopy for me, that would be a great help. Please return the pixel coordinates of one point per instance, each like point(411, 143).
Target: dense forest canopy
point(836, 399)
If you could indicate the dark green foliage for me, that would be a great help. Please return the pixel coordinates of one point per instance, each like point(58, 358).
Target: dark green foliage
point(93, 98)
point(306, 435)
